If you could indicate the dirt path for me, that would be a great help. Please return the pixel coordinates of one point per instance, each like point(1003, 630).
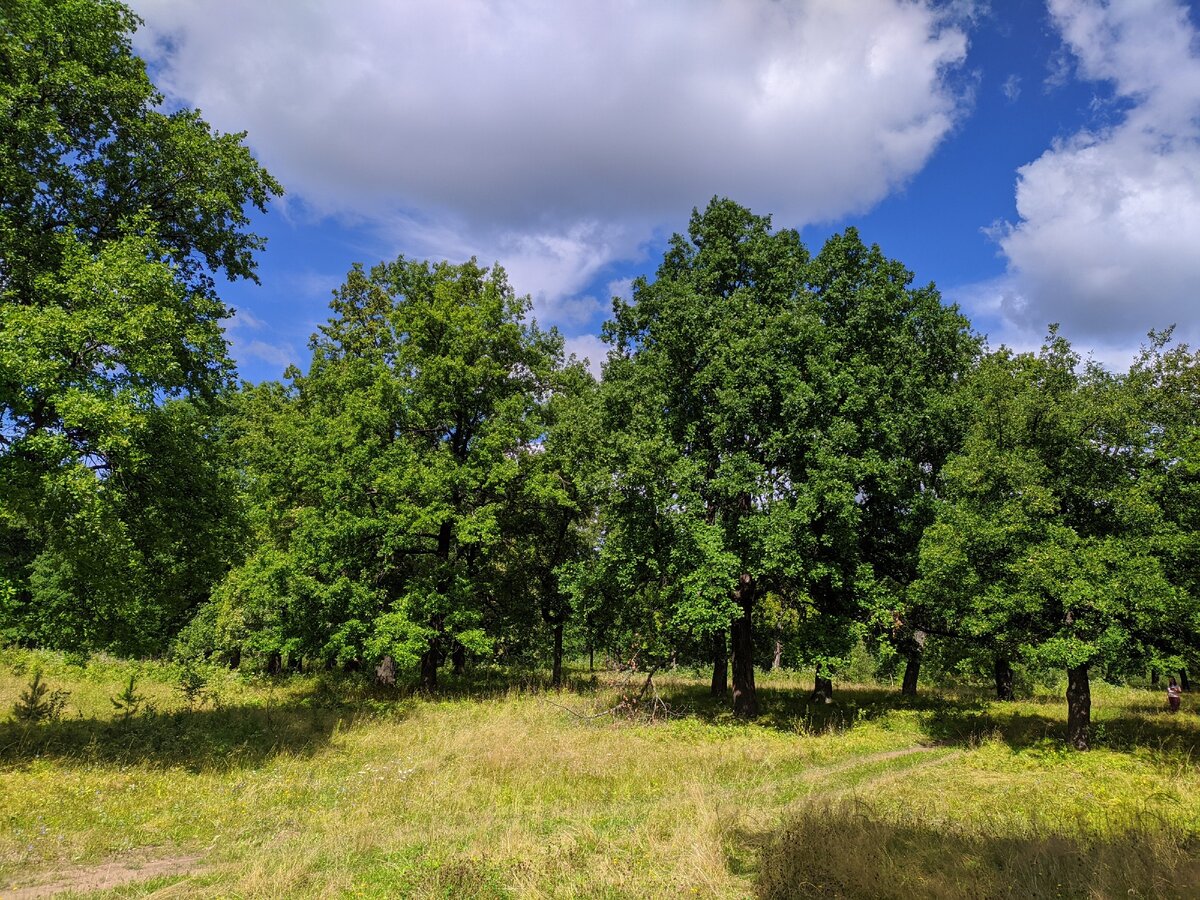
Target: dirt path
point(858, 762)
point(104, 877)
point(890, 775)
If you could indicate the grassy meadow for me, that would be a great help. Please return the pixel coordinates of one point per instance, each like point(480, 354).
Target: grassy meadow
point(323, 786)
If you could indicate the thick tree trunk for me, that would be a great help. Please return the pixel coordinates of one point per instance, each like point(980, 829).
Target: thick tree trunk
point(1004, 679)
point(1154, 678)
point(1183, 680)
point(591, 658)
point(777, 659)
point(556, 673)
point(912, 665)
point(745, 698)
point(822, 690)
point(274, 664)
point(1079, 707)
point(720, 675)
point(458, 658)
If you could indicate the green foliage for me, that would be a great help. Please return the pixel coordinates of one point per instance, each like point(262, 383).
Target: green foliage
point(192, 684)
point(770, 421)
point(37, 703)
point(1054, 544)
point(402, 495)
point(116, 216)
point(129, 702)
point(1045, 545)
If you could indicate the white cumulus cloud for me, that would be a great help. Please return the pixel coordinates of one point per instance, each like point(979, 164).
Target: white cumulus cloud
point(558, 137)
point(1109, 219)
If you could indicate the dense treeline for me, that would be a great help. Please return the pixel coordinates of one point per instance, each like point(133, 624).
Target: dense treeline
point(788, 457)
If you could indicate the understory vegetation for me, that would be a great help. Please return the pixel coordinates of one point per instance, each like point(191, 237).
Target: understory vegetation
point(327, 785)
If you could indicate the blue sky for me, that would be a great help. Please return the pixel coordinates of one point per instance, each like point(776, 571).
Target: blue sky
point(1038, 159)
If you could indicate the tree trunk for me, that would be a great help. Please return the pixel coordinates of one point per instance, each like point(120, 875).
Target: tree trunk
point(385, 672)
point(274, 663)
point(1079, 707)
point(1154, 678)
point(912, 665)
point(822, 690)
point(1004, 679)
point(1183, 680)
point(912, 670)
point(556, 675)
point(458, 658)
point(435, 653)
point(745, 698)
point(720, 676)
point(591, 657)
point(777, 659)
point(429, 668)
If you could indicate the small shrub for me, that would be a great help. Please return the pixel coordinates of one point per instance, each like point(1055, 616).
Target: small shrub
point(129, 702)
point(37, 703)
point(76, 658)
point(193, 686)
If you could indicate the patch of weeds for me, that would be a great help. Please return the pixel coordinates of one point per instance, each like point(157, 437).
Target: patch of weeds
point(413, 873)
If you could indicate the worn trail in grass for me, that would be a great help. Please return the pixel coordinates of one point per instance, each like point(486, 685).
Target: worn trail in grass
point(305, 787)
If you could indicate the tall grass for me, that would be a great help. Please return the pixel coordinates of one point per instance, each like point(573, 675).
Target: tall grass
point(853, 850)
point(326, 786)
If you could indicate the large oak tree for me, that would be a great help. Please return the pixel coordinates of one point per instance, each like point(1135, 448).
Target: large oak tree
point(768, 416)
point(115, 216)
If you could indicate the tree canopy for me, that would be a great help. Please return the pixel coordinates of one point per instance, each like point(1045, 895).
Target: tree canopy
point(400, 486)
point(772, 417)
point(114, 218)
point(1045, 547)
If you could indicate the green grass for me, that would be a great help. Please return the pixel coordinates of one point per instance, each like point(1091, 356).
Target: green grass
point(318, 786)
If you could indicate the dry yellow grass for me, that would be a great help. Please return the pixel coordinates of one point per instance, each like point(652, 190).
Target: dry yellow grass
point(305, 788)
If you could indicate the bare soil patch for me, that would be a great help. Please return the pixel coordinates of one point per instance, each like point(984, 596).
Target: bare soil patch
point(104, 877)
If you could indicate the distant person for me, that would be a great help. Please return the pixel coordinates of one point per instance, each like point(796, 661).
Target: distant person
point(1173, 694)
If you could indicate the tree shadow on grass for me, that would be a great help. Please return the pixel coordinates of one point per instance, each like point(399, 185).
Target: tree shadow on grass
point(847, 849)
point(792, 709)
point(963, 719)
point(199, 740)
point(1020, 729)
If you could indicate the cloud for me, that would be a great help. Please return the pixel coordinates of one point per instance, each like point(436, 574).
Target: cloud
point(243, 318)
point(557, 137)
point(1109, 219)
point(999, 309)
point(1011, 88)
point(589, 349)
point(281, 355)
point(244, 346)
